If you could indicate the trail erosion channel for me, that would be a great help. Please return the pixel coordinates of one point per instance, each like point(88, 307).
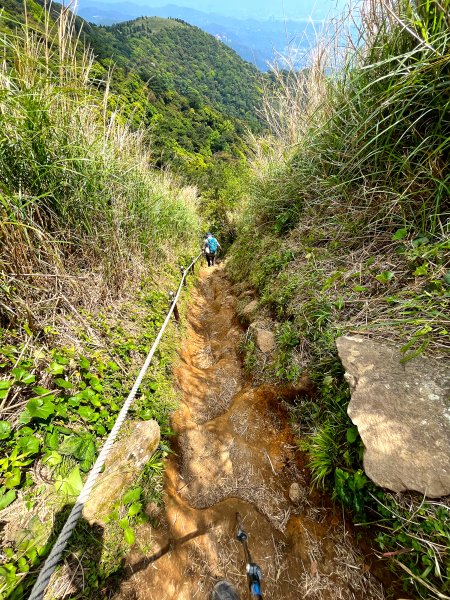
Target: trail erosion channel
point(235, 453)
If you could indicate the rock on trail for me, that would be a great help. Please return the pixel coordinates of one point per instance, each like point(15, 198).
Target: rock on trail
point(402, 411)
point(234, 452)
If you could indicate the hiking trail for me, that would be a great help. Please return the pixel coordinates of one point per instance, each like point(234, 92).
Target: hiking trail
point(234, 451)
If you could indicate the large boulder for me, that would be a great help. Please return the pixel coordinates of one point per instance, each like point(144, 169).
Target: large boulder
point(402, 411)
point(126, 460)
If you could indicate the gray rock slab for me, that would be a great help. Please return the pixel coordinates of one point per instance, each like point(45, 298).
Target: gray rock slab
point(128, 457)
point(402, 411)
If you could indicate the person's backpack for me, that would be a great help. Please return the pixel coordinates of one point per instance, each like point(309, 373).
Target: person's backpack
point(213, 244)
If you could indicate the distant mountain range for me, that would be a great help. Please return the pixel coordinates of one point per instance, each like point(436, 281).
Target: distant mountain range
point(251, 9)
point(258, 40)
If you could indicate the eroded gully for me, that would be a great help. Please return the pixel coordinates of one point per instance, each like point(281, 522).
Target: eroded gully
point(235, 452)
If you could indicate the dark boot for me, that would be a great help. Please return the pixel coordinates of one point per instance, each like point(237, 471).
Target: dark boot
point(224, 591)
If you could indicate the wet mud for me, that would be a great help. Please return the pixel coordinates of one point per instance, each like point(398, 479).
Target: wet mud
point(234, 452)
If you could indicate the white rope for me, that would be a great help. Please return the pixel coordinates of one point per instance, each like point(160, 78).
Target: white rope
point(37, 593)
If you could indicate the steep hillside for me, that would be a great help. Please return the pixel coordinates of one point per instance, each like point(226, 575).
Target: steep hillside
point(195, 95)
point(91, 238)
point(346, 231)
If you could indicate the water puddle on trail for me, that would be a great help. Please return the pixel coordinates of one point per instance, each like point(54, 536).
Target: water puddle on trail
point(235, 453)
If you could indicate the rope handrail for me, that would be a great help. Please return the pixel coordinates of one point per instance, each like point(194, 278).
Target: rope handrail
point(39, 588)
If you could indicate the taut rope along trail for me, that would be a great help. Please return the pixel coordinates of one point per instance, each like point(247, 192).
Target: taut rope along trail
point(235, 453)
point(50, 564)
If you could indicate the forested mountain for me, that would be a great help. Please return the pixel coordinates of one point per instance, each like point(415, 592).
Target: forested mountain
point(173, 55)
point(261, 42)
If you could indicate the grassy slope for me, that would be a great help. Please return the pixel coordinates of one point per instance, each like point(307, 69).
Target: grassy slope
point(346, 230)
point(91, 238)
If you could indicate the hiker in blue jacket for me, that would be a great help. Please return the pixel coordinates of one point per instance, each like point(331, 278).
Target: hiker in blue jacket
point(210, 247)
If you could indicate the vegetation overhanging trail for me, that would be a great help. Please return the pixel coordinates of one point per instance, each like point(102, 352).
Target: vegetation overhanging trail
point(234, 452)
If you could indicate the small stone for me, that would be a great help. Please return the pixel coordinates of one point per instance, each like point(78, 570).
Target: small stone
point(295, 493)
point(265, 340)
point(250, 308)
point(247, 294)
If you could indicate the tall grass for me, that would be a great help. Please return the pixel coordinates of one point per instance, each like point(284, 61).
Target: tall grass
point(359, 154)
point(347, 230)
point(82, 212)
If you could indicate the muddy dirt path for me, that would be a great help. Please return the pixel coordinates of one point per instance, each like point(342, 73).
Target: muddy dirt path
point(235, 452)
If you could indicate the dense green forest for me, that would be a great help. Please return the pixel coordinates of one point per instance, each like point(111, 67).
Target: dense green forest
point(195, 96)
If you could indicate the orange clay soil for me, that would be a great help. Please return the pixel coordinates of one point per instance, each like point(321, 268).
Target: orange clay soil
point(235, 453)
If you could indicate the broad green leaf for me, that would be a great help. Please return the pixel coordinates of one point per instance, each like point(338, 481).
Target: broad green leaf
point(352, 434)
point(87, 453)
point(420, 241)
point(60, 359)
point(129, 535)
point(134, 509)
point(6, 384)
point(6, 499)
point(23, 565)
point(100, 429)
point(40, 391)
point(146, 414)
point(61, 411)
point(12, 478)
point(422, 270)
point(81, 447)
point(69, 446)
point(37, 408)
point(70, 485)
point(23, 376)
point(132, 495)
point(28, 445)
point(95, 401)
point(63, 383)
point(52, 440)
point(5, 430)
point(84, 363)
point(55, 368)
point(87, 394)
point(18, 372)
point(400, 234)
point(385, 276)
point(52, 459)
point(88, 414)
